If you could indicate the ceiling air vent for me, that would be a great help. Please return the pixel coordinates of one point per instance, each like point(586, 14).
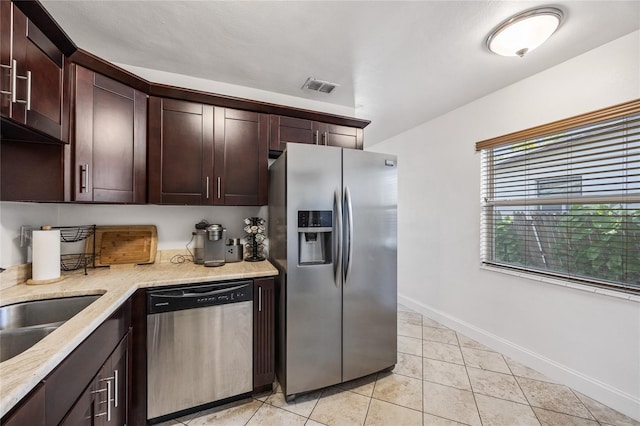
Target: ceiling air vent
point(319, 85)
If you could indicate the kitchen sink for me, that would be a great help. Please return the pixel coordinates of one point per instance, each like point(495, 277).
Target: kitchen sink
point(24, 324)
point(15, 341)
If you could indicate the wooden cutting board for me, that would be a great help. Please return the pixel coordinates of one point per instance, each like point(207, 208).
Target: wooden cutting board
point(124, 245)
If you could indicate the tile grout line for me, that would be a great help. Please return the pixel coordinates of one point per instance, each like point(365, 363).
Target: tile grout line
point(556, 411)
point(370, 399)
point(585, 406)
point(521, 390)
point(475, 401)
point(262, 403)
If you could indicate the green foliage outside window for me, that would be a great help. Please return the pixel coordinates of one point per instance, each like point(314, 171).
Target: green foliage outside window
point(591, 241)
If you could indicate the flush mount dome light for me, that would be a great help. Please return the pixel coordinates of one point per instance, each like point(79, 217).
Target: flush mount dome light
point(524, 32)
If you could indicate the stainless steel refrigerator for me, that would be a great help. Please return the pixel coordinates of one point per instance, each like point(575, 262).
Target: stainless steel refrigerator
point(333, 237)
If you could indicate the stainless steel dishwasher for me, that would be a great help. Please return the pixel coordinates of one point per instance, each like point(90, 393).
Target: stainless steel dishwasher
point(199, 347)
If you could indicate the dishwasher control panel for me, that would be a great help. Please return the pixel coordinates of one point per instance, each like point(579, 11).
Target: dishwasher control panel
point(198, 295)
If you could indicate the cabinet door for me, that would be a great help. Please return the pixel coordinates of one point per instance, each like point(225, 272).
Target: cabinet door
point(286, 130)
point(104, 402)
point(81, 368)
point(119, 374)
point(264, 334)
point(241, 157)
point(340, 136)
point(30, 411)
point(39, 98)
point(83, 412)
point(180, 152)
point(109, 140)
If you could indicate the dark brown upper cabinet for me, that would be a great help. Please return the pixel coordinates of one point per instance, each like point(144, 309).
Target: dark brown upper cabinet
point(295, 130)
point(180, 152)
point(286, 130)
point(241, 157)
point(32, 75)
point(342, 136)
point(109, 140)
point(205, 155)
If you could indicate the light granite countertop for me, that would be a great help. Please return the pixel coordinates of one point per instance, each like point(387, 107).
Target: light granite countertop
point(20, 374)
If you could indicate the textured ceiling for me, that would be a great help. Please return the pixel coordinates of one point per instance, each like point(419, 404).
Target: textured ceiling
point(398, 63)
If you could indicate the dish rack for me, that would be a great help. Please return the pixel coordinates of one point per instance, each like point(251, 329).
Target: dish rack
point(74, 234)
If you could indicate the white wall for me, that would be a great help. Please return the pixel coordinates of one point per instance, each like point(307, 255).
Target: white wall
point(586, 340)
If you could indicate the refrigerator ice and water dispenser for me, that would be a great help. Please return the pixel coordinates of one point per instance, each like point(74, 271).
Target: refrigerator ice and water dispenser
point(315, 228)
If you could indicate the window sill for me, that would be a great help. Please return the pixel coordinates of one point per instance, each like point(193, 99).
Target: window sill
point(564, 283)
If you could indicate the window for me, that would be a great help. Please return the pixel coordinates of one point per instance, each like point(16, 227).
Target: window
point(564, 199)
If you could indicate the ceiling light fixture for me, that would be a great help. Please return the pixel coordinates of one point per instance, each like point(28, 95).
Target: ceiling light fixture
point(524, 32)
point(319, 85)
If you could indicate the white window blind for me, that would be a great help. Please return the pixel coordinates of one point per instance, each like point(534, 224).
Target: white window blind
point(566, 203)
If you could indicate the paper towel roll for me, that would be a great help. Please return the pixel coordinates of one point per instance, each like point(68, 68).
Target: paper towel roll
point(46, 255)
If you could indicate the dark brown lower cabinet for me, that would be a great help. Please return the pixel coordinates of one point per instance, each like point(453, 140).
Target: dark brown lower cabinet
point(77, 372)
point(264, 344)
point(105, 399)
point(30, 411)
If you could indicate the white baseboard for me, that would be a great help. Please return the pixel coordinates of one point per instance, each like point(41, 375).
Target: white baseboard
point(593, 388)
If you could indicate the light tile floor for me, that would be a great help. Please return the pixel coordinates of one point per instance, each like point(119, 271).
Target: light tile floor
point(442, 378)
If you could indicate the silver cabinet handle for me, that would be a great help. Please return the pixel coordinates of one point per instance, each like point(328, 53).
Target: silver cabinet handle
point(99, 391)
point(109, 391)
point(349, 260)
point(115, 391)
point(207, 187)
point(338, 262)
point(28, 90)
point(317, 136)
point(14, 83)
point(218, 187)
point(84, 178)
point(259, 299)
point(325, 138)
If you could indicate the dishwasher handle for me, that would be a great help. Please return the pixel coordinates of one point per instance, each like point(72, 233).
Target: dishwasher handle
point(183, 294)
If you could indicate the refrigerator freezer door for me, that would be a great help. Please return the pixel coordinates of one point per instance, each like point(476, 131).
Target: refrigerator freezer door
point(313, 297)
point(370, 290)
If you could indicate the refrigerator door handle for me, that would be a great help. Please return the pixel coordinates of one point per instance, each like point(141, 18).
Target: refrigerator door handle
point(337, 273)
point(349, 211)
